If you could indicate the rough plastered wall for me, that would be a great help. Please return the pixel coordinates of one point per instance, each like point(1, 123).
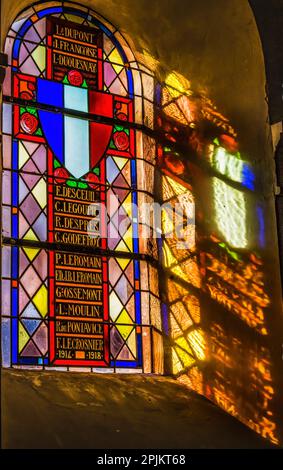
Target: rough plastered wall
point(216, 46)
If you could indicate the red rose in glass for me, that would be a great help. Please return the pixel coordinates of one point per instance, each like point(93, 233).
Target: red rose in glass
point(92, 180)
point(122, 116)
point(121, 140)
point(75, 78)
point(174, 164)
point(25, 95)
point(61, 175)
point(28, 123)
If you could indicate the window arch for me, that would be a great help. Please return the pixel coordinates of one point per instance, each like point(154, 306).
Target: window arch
point(74, 104)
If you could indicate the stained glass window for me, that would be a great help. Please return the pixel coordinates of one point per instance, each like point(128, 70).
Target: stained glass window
point(76, 290)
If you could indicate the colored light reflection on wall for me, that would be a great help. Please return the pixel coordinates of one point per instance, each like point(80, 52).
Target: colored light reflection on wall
point(217, 359)
point(230, 213)
point(239, 288)
point(232, 166)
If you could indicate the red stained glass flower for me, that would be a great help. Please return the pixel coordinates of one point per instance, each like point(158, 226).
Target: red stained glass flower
point(122, 116)
point(25, 95)
point(174, 164)
point(75, 78)
point(28, 123)
point(92, 180)
point(61, 175)
point(121, 140)
point(229, 143)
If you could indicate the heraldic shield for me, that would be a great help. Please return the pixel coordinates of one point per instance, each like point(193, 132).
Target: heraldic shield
point(76, 142)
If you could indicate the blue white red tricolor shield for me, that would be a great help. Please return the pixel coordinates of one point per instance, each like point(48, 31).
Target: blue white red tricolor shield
point(75, 141)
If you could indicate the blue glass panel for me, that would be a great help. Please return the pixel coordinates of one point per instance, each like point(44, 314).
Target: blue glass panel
point(50, 92)
point(28, 360)
point(137, 269)
point(130, 83)
point(15, 265)
point(14, 226)
point(25, 27)
point(16, 48)
point(95, 21)
point(49, 11)
point(165, 318)
point(124, 364)
point(15, 187)
point(73, 11)
point(133, 173)
point(138, 306)
point(14, 340)
point(139, 347)
point(52, 126)
point(31, 325)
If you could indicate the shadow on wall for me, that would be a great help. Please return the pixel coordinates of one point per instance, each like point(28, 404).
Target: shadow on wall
point(217, 302)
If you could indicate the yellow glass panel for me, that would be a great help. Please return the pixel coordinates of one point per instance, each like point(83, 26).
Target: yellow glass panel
point(126, 329)
point(30, 235)
point(127, 205)
point(115, 306)
point(120, 162)
point(23, 155)
point(31, 253)
point(117, 59)
point(38, 56)
point(122, 246)
point(23, 337)
point(39, 192)
point(40, 300)
point(123, 262)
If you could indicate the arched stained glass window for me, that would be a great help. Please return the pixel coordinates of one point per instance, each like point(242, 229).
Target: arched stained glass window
point(75, 288)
